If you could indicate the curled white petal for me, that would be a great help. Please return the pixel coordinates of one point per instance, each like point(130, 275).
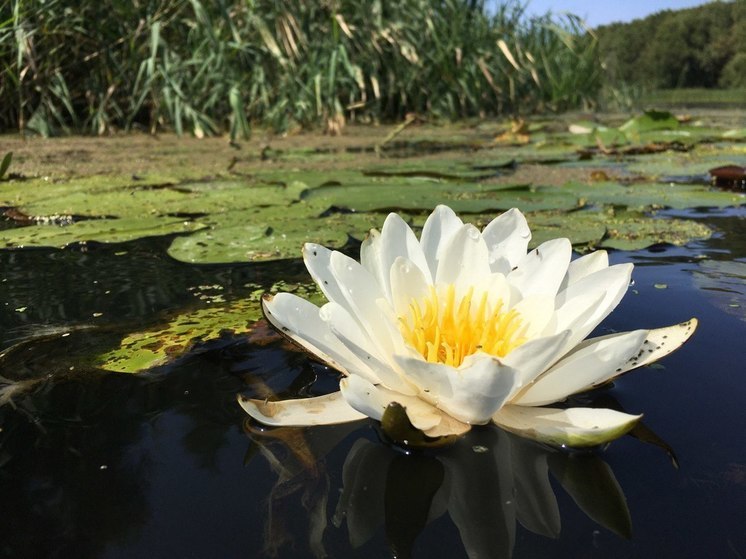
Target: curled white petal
point(321, 410)
point(372, 400)
point(575, 427)
point(659, 343)
point(471, 393)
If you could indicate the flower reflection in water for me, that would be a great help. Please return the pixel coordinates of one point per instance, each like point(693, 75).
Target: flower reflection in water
point(487, 482)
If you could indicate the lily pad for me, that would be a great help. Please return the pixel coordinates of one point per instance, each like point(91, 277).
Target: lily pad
point(582, 228)
point(162, 344)
point(101, 230)
point(649, 121)
point(631, 231)
point(425, 195)
point(135, 200)
point(641, 196)
point(188, 332)
point(267, 234)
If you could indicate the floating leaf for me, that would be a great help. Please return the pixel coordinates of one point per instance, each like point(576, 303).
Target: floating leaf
point(267, 234)
point(161, 344)
point(425, 195)
point(645, 196)
point(100, 230)
point(649, 121)
point(631, 232)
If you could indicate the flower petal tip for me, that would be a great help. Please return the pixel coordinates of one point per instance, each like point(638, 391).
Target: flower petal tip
point(573, 427)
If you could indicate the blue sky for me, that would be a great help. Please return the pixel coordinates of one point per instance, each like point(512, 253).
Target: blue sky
point(600, 12)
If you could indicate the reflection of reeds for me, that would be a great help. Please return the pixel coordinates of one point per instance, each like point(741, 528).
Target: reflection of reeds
point(203, 67)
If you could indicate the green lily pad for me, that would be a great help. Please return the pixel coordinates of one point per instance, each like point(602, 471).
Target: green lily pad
point(100, 230)
point(641, 196)
point(696, 162)
point(649, 121)
point(735, 134)
point(185, 333)
point(134, 200)
point(589, 133)
point(268, 234)
point(162, 344)
point(423, 195)
point(616, 230)
point(582, 228)
point(632, 231)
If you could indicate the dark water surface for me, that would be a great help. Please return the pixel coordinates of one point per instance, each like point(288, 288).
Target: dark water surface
point(108, 465)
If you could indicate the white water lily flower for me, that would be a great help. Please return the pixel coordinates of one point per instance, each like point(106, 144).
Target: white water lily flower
point(464, 328)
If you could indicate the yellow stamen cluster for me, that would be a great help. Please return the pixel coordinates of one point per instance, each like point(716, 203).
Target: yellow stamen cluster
point(446, 331)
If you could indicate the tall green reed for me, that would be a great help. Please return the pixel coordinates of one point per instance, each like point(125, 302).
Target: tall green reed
point(208, 67)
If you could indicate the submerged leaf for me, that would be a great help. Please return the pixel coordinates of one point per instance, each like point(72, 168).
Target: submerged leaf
point(159, 345)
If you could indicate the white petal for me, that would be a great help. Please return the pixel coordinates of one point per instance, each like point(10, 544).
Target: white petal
point(574, 314)
point(299, 320)
point(471, 393)
point(362, 297)
point(542, 270)
point(591, 363)
point(659, 343)
point(497, 289)
point(537, 315)
point(408, 283)
point(534, 357)
point(373, 400)
point(370, 254)
point(321, 410)
point(317, 259)
point(465, 258)
point(437, 232)
point(507, 237)
point(397, 239)
point(357, 342)
point(600, 291)
point(585, 265)
point(574, 427)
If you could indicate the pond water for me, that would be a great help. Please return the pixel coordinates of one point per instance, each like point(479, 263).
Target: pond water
point(165, 464)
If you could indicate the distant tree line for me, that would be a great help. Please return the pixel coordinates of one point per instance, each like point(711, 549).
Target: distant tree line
point(697, 47)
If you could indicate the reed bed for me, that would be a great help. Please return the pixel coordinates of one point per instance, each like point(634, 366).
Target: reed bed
point(210, 67)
